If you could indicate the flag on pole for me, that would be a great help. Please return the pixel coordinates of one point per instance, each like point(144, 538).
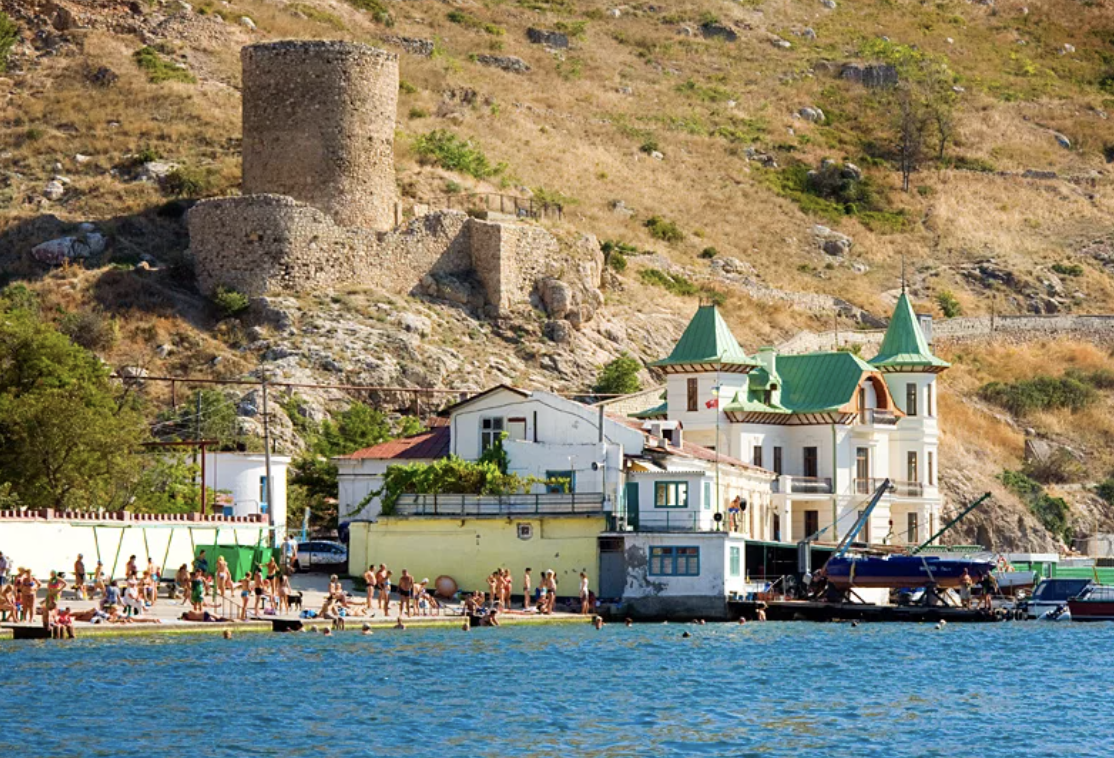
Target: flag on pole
point(714, 402)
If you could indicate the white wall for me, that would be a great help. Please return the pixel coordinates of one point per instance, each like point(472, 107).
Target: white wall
point(712, 580)
point(241, 474)
point(358, 477)
point(45, 546)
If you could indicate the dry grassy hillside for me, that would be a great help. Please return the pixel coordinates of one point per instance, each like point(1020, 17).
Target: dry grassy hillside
point(689, 113)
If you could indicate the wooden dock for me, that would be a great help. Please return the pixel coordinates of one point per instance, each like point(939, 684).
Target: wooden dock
point(812, 610)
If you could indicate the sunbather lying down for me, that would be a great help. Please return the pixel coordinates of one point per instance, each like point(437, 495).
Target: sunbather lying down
point(204, 616)
point(112, 616)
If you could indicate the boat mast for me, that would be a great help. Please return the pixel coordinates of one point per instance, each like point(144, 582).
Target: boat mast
point(950, 524)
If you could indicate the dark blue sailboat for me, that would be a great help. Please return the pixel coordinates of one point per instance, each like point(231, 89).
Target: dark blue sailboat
point(895, 571)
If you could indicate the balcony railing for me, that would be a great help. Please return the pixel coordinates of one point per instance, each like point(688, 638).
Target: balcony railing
point(500, 505)
point(908, 489)
point(867, 486)
point(669, 521)
point(877, 416)
point(806, 485)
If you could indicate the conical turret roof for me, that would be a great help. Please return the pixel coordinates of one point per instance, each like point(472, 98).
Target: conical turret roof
point(707, 345)
point(904, 347)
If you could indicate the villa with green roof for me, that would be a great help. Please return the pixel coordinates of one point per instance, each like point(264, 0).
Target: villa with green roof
point(830, 425)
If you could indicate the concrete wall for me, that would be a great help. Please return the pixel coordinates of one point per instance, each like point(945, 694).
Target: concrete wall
point(43, 545)
point(469, 549)
point(318, 126)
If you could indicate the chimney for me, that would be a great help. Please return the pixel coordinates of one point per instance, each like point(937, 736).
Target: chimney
point(767, 358)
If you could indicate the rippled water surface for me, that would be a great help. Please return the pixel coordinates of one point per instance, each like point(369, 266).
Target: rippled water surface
point(1025, 689)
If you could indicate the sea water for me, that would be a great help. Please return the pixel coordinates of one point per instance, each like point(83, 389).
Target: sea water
point(774, 689)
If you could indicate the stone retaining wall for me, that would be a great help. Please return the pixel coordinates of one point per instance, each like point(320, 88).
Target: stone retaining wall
point(1006, 329)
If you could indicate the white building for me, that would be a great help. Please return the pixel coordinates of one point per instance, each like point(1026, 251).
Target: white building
point(240, 479)
point(831, 426)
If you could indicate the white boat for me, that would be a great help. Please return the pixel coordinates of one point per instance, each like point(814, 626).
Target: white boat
point(1010, 582)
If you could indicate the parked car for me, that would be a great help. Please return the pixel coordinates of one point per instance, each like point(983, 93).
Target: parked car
point(321, 554)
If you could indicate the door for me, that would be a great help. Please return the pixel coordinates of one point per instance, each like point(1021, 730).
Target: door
point(613, 568)
point(862, 471)
point(631, 494)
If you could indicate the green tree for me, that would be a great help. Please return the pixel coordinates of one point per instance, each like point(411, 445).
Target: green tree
point(169, 483)
point(206, 414)
point(619, 377)
point(67, 433)
point(357, 427)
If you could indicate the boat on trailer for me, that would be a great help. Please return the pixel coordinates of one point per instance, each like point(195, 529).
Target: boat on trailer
point(897, 571)
point(1095, 603)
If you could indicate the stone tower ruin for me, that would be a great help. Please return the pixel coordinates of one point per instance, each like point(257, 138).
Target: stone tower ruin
point(319, 127)
point(319, 205)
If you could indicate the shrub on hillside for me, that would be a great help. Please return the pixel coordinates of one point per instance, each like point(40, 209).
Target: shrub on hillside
point(158, 69)
point(9, 35)
point(709, 253)
point(92, 330)
point(230, 302)
point(619, 376)
point(949, 306)
point(1041, 393)
point(1053, 512)
point(666, 231)
point(377, 9)
point(1067, 269)
point(1057, 468)
point(445, 149)
point(186, 181)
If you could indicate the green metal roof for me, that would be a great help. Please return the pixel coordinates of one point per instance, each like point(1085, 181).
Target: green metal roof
point(657, 410)
point(707, 339)
point(810, 383)
point(904, 346)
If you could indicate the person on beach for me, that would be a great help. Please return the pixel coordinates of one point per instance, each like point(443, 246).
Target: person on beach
point(550, 591)
point(79, 577)
point(965, 584)
point(245, 593)
point(405, 593)
point(370, 581)
point(526, 580)
point(385, 592)
point(989, 590)
point(54, 589)
point(597, 622)
point(224, 577)
point(259, 588)
point(28, 586)
point(284, 593)
point(289, 554)
point(201, 563)
point(63, 625)
point(197, 590)
point(584, 595)
point(5, 567)
point(331, 611)
point(426, 601)
point(131, 571)
point(98, 579)
point(133, 602)
point(182, 583)
point(111, 596)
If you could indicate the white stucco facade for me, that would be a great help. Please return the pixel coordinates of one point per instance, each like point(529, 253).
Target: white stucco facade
point(244, 477)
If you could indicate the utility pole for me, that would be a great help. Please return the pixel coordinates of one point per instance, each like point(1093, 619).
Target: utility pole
point(197, 436)
point(267, 450)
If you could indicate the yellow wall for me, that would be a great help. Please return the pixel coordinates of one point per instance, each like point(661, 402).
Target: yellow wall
point(470, 549)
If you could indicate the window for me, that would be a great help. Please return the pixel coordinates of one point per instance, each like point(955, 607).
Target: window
point(707, 496)
point(490, 431)
point(812, 523)
point(516, 429)
point(911, 528)
point(693, 396)
point(912, 466)
point(777, 460)
point(862, 471)
point(674, 561)
point(812, 462)
point(756, 458)
point(735, 561)
point(567, 486)
point(777, 528)
point(930, 466)
point(263, 504)
point(911, 399)
point(671, 494)
point(930, 388)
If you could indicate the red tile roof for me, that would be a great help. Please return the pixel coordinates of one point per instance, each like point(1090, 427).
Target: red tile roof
point(428, 445)
point(688, 448)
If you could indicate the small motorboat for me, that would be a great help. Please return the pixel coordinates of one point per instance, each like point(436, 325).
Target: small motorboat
point(896, 571)
point(1052, 594)
point(1095, 603)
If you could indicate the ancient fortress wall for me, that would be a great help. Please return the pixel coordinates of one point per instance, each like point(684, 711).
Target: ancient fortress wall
point(1005, 329)
point(318, 126)
point(319, 203)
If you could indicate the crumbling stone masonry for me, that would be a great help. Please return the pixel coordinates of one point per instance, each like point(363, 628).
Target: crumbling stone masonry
point(319, 126)
point(320, 210)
